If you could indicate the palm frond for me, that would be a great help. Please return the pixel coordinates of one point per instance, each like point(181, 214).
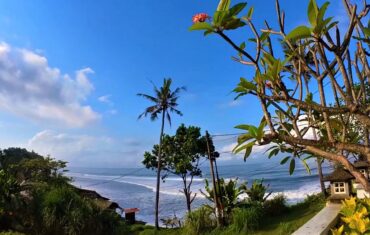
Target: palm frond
point(148, 97)
point(165, 101)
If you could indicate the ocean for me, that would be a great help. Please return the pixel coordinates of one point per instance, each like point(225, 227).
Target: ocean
point(135, 187)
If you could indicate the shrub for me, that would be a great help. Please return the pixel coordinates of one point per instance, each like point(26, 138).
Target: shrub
point(355, 217)
point(199, 221)
point(275, 206)
point(245, 220)
point(11, 233)
point(314, 199)
point(257, 192)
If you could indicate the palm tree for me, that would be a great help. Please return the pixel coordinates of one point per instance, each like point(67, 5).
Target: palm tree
point(165, 102)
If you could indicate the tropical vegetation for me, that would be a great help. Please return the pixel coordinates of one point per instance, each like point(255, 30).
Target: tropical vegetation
point(180, 156)
point(36, 198)
point(295, 73)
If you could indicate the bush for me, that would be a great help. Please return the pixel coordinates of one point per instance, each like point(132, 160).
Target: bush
point(199, 221)
point(11, 233)
point(258, 192)
point(275, 206)
point(354, 217)
point(313, 199)
point(245, 220)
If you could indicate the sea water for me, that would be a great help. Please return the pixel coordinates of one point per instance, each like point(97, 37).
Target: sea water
point(135, 187)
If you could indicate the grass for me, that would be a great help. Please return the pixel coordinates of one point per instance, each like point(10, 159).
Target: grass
point(290, 221)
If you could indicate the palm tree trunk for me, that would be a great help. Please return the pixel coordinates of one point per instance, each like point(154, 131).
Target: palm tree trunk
point(159, 173)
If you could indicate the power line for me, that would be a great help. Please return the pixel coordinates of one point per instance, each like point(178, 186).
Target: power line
point(229, 134)
point(116, 178)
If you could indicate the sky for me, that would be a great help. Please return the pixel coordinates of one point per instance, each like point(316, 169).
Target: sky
point(70, 71)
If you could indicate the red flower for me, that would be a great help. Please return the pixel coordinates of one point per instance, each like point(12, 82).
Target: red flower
point(201, 17)
point(268, 84)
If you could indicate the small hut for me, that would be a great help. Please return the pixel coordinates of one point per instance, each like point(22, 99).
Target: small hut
point(363, 167)
point(340, 184)
point(130, 215)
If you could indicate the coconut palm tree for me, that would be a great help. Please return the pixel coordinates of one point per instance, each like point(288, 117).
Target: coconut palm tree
point(164, 102)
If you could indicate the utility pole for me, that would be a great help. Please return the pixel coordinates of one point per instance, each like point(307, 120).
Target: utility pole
point(215, 194)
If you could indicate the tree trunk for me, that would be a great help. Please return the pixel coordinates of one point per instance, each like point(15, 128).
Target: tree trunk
point(159, 174)
point(186, 193)
point(188, 202)
point(319, 170)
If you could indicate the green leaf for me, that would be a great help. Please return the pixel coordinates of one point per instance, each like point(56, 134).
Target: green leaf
point(299, 33)
point(320, 15)
point(239, 148)
point(242, 46)
point(246, 84)
point(206, 33)
point(248, 152)
point(201, 26)
point(312, 12)
point(273, 153)
point(367, 32)
point(218, 17)
point(284, 160)
point(250, 13)
point(260, 131)
point(237, 8)
point(244, 137)
point(264, 36)
point(242, 127)
point(308, 169)
point(223, 5)
point(233, 24)
point(253, 131)
point(268, 58)
point(292, 166)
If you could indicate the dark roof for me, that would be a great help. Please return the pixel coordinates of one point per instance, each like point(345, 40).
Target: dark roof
point(101, 201)
point(90, 194)
point(131, 210)
point(339, 174)
point(361, 164)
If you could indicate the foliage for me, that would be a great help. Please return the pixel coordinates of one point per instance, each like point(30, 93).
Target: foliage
point(355, 216)
point(300, 90)
point(164, 101)
point(228, 191)
point(12, 156)
point(181, 154)
point(10, 200)
point(35, 198)
point(257, 192)
point(64, 212)
point(246, 220)
point(275, 206)
point(199, 221)
point(11, 233)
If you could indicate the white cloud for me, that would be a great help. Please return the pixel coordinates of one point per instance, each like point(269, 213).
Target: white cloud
point(87, 150)
point(231, 104)
point(30, 88)
point(106, 99)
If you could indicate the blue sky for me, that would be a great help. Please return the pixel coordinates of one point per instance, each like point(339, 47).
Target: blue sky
point(70, 72)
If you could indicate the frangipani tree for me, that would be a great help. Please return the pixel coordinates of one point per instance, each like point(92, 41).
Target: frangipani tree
point(316, 73)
